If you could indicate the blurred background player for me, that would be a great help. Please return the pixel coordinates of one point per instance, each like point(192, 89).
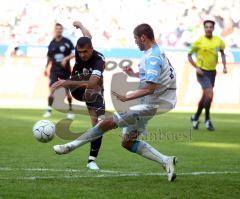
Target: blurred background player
point(60, 51)
point(206, 49)
point(89, 66)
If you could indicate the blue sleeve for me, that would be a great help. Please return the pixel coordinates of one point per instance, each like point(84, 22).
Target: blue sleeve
point(153, 69)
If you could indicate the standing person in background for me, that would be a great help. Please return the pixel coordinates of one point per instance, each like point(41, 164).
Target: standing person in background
point(60, 51)
point(206, 49)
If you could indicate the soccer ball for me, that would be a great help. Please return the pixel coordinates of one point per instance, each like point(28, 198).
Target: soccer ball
point(44, 131)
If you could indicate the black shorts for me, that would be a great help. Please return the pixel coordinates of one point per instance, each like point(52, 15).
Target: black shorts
point(54, 77)
point(207, 80)
point(98, 105)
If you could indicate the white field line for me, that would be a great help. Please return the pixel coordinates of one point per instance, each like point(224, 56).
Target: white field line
point(54, 170)
point(100, 173)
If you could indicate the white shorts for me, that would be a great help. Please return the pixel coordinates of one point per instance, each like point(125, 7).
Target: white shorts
point(137, 117)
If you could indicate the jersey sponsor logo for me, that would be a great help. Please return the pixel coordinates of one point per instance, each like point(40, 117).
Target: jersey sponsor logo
point(62, 48)
point(85, 71)
point(58, 57)
point(153, 62)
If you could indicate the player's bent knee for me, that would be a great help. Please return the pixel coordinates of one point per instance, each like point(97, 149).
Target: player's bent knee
point(107, 124)
point(127, 144)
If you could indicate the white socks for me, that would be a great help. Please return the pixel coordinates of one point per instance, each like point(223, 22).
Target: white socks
point(89, 136)
point(147, 151)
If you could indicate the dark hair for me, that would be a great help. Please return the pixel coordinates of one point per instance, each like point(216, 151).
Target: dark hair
point(144, 29)
point(83, 41)
point(209, 21)
point(58, 24)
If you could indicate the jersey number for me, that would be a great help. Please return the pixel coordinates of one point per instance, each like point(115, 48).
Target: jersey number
point(171, 69)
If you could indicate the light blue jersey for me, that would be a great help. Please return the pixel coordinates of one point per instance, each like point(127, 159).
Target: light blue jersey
point(155, 67)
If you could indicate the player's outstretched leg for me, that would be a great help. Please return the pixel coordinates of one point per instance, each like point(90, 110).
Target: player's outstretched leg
point(88, 136)
point(147, 151)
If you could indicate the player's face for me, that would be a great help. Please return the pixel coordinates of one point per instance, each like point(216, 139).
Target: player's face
point(58, 31)
point(85, 53)
point(140, 42)
point(208, 28)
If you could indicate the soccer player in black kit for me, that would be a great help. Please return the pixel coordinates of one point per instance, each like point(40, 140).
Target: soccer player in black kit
point(60, 51)
point(88, 68)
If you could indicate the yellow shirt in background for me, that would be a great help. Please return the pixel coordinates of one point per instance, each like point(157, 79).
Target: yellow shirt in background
point(207, 51)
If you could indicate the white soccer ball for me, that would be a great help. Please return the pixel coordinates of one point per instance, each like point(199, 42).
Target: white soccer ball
point(44, 131)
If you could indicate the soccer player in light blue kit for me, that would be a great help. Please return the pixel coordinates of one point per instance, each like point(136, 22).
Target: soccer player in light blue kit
point(157, 94)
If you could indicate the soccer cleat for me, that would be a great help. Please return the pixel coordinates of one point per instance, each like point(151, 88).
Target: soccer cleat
point(92, 165)
point(62, 149)
point(209, 125)
point(47, 114)
point(70, 116)
point(170, 167)
point(195, 123)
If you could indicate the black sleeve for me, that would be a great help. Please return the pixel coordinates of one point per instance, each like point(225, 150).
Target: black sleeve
point(71, 45)
point(98, 68)
point(49, 51)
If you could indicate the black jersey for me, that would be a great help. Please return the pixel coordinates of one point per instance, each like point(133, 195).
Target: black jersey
point(84, 69)
point(57, 51)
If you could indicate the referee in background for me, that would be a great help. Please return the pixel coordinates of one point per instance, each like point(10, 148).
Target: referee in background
point(206, 49)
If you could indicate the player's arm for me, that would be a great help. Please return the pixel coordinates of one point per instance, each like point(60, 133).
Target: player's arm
point(67, 58)
point(192, 62)
point(85, 31)
point(153, 71)
point(223, 57)
point(46, 67)
point(147, 90)
point(70, 56)
point(49, 59)
point(190, 59)
point(48, 62)
point(129, 71)
point(224, 61)
point(68, 84)
point(91, 85)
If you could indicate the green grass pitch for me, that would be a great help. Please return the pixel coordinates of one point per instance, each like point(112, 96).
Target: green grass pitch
point(30, 169)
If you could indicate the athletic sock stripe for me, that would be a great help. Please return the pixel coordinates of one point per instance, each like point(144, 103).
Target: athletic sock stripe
point(135, 146)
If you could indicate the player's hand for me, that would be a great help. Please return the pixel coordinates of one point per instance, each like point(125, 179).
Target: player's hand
point(77, 24)
point(224, 70)
point(199, 71)
point(45, 73)
point(119, 97)
point(128, 70)
point(60, 83)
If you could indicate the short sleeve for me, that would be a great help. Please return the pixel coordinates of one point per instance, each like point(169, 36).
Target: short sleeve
point(222, 45)
point(49, 50)
point(153, 69)
point(194, 48)
point(98, 68)
point(71, 47)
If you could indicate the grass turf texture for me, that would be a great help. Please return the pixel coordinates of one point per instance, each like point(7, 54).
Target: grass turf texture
point(21, 156)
